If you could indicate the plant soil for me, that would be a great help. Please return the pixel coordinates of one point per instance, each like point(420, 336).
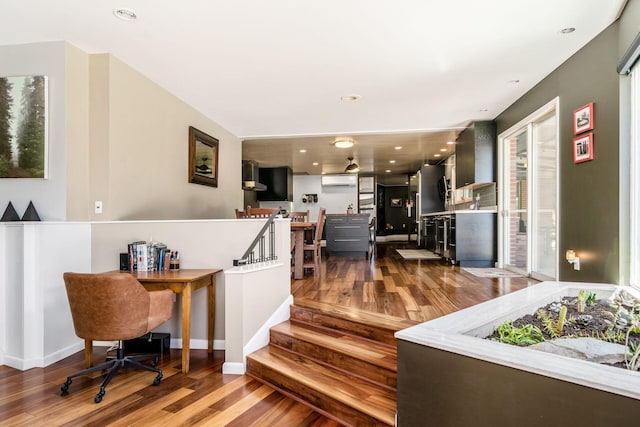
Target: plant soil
point(600, 325)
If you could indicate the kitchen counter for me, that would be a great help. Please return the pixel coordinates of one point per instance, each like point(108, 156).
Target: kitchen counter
point(487, 209)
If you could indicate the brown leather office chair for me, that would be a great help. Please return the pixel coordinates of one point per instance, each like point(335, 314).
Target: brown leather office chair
point(302, 216)
point(312, 249)
point(114, 307)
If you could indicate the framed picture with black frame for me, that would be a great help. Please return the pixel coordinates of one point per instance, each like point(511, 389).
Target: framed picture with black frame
point(395, 202)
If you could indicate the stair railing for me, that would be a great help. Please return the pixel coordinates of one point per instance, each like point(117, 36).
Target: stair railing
point(266, 251)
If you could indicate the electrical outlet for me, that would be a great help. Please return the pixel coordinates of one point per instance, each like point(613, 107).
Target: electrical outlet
point(97, 207)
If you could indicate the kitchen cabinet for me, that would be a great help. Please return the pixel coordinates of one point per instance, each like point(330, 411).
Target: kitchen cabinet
point(279, 183)
point(467, 238)
point(347, 234)
point(476, 154)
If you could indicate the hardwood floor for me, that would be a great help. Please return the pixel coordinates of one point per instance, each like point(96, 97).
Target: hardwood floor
point(385, 285)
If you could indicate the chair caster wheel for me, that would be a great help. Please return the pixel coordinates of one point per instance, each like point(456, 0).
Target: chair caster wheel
point(65, 387)
point(98, 397)
point(157, 380)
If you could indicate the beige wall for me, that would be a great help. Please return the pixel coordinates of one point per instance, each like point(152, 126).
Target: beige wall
point(139, 151)
point(77, 132)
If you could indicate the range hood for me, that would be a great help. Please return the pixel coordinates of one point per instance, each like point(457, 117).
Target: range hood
point(250, 176)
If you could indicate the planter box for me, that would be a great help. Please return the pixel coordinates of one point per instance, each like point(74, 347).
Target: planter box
point(448, 374)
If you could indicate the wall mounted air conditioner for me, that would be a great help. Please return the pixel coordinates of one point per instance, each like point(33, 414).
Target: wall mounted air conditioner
point(339, 180)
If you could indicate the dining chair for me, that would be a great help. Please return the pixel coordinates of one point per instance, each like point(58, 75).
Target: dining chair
point(241, 214)
point(259, 212)
point(313, 249)
point(302, 216)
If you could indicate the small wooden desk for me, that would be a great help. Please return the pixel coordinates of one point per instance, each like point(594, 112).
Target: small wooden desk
point(298, 229)
point(181, 282)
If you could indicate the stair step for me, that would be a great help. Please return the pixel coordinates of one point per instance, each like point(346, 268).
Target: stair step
point(372, 361)
point(348, 399)
point(373, 326)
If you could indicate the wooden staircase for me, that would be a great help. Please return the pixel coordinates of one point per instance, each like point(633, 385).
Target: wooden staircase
point(340, 362)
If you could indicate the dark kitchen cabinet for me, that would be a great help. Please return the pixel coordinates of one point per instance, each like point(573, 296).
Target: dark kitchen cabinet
point(279, 182)
point(476, 154)
point(347, 234)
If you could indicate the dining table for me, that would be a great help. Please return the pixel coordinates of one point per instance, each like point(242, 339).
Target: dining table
point(299, 229)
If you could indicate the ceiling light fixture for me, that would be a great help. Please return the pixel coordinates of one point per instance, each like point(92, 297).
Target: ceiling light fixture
point(443, 149)
point(125, 14)
point(388, 171)
point(514, 81)
point(315, 163)
point(567, 30)
point(303, 151)
point(450, 142)
point(392, 161)
point(436, 155)
point(397, 148)
point(343, 142)
point(352, 167)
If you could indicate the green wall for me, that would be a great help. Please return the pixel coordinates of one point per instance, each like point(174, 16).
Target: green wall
point(589, 191)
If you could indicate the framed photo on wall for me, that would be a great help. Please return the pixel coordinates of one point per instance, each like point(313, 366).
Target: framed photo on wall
point(203, 158)
point(395, 203)
point(583, 119)
point(583, 148)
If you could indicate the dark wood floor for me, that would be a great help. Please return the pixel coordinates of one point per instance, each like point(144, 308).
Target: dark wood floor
point(385, 284)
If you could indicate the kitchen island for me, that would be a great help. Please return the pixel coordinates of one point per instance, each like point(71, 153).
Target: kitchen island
point(347, 234)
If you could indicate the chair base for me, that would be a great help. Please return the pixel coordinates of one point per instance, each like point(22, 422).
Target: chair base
point(113, 366)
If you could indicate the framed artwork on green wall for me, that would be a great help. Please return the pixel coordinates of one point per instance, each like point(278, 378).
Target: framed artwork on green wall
point(24, 127)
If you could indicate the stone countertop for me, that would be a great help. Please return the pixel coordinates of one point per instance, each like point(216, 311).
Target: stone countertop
point(483, 210)
point(461, 332)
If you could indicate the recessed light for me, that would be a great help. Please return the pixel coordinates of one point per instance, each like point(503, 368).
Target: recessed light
point(514, 81)
point(427, 164)
point(450, 142)
point(436, 155)
point(443, 149)
point(567, 30)
point(125, 14)
point(343, 142)
point(392, 161)
point(406, 183)
point(483, 110)
point(303, 151)
point(388, 170)
point(315, 163)
point(350, 98)
point(397, 148)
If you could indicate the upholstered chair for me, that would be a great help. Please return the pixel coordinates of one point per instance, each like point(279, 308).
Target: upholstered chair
point(115, 307)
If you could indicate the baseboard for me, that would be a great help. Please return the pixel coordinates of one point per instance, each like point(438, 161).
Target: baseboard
point(261, 337)
point(40, 362)
point(233, 368)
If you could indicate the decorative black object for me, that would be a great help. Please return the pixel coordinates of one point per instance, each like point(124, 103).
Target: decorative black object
point(10, 214)
point(31, 214)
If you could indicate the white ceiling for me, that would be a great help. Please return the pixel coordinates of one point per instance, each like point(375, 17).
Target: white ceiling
point(276, 69)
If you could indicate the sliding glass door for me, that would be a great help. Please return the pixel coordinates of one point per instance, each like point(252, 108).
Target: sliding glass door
point(528, 195)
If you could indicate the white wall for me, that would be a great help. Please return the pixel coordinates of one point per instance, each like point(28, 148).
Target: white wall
point(36, 323)
point(48, 195)
point(202, 244)
point(334, 199)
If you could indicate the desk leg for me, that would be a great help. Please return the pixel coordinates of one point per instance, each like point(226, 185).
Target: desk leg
point(186, 327)
point(211, 321)
point(88, 353)
point(298, 270)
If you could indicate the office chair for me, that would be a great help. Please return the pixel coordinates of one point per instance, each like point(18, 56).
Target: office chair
point(114, 307)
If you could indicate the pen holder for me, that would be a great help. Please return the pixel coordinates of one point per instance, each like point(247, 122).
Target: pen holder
point(174, 264)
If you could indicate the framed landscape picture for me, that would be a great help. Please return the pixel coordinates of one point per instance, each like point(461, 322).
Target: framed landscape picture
point(203, 158)
point(23, 127)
